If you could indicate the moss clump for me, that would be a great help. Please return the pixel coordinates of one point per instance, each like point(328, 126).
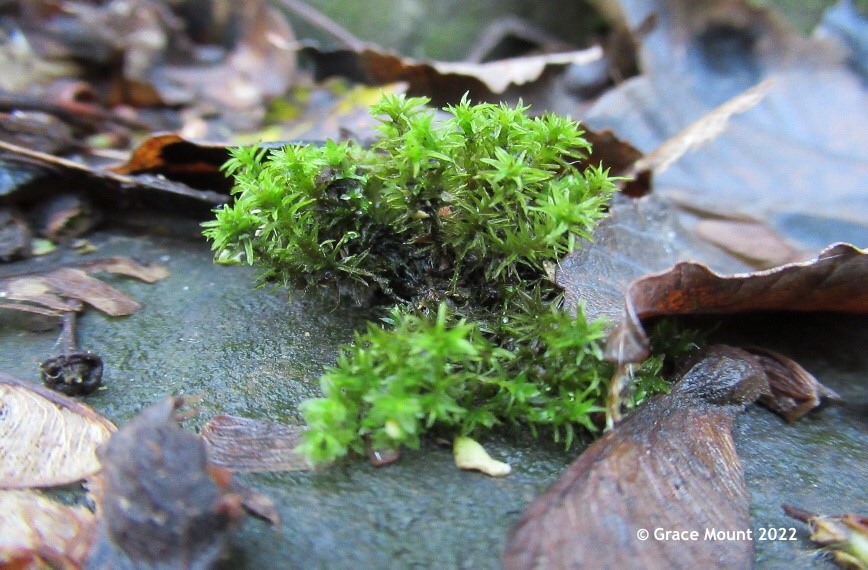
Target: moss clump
point(453, 223)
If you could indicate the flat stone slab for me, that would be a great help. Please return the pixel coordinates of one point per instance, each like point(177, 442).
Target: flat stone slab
point(258, 352)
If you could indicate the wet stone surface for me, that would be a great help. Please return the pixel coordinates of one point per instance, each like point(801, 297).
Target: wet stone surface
point(257, 353)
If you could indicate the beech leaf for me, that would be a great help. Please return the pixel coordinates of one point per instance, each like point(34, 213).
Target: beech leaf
point(832, 282)
point(669, 465)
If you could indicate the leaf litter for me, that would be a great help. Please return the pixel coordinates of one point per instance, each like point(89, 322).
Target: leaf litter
point(159, 500)
point(671, 217)
point(45, 292)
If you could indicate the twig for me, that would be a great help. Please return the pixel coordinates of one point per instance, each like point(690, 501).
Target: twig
point(520, 28)
point(80, 114)
point(317, 19)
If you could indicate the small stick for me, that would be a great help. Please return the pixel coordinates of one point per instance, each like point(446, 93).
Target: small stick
point(316, 18)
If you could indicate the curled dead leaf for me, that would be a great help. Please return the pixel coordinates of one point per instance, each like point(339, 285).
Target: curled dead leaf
point(445, 82)
point(193, 163)
point(109, 187)
point(46, 439)
point(670, 465)
point(832, 282)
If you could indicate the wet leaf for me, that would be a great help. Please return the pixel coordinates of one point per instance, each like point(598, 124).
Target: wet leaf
point(832, 282)
point(445, 82)
point(808, 133)
point(162, 504)
point(639, 237)
point(704, 129)
point(38, 532)
point(671, 464)
point(244, 444)
point(46, 439)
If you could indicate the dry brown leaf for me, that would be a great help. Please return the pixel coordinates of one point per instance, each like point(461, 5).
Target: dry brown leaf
point(196, 164)
point(38, 532)
point(244, 444)
point(670, 465)
point(32, 290)
point(46, 439)
point(835, 281)
point(262, 65)
point(128, 267)
point(446, 82)
point(48, 290)
point(793, 391)
point(76, 284)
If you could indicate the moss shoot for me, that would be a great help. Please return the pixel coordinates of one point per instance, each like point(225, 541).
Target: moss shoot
point(453, 224)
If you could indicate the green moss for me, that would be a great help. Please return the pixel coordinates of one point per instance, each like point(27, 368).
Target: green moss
point(452, 223)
